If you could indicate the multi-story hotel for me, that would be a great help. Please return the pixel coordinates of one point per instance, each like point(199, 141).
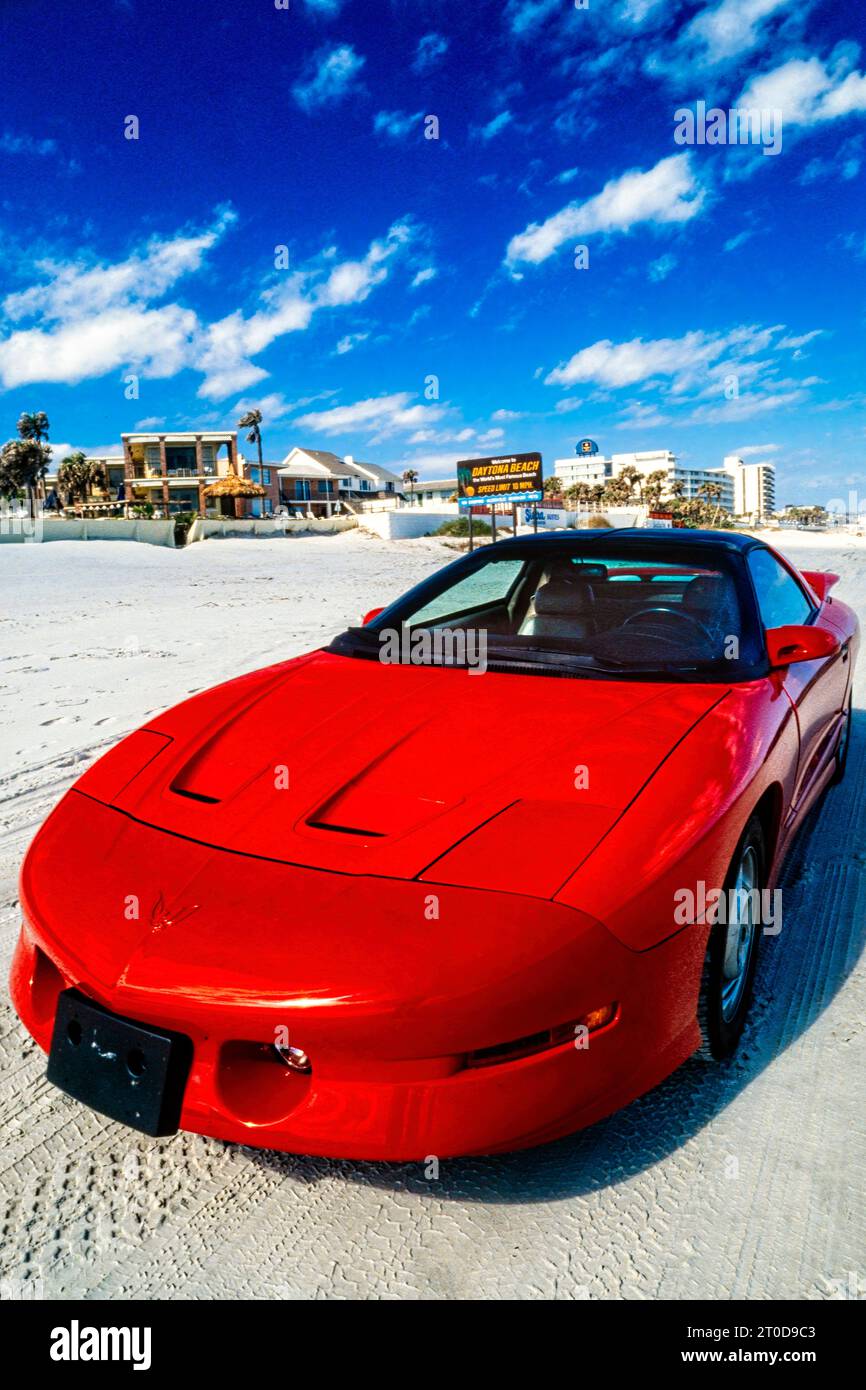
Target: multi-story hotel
point(596, 468)
point(754, 486)
point(747, 489)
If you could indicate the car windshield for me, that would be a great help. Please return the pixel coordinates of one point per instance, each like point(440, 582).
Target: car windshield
point(634, 608)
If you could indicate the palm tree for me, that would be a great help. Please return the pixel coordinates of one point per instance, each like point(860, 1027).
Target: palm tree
point(654, 487)
point(23, 465)
point(72, 476)
point(596, 495)
point(78, 476)
point(34, 426)
point(411, 477)
point(617, 491)
point(633, 479)
point(552, 487)
point(578, 495)
point(252, 421)
point(712, 492)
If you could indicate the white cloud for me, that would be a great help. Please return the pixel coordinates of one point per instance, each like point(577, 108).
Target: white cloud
point(638, 415)
point(289, 307)
point(730, 28)
point(329, 75)
point(274, 406)
point(384, 414)
point(800, 341)
point(844, 163)
point(349, 342)
point(745, 407)
point(154, 342)
point(396, 124)
point(734, 243)
point(524, 16)
point(660, 270)
point(424, 277)
point(10, 143)
point(567, 405)
point(431, 48)
point(76, 288)
point(507, 415)
point(684, 360)
point(95, 318)
point(807, 92)
point(667, 193)
point(748, 450)
point(496, 126)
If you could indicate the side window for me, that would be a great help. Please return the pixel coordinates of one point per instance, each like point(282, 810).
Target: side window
point(780, 598)
point(488, 585)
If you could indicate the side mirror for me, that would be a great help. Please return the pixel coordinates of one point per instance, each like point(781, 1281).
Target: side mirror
point(799, 642)
point(373, 613)
point(820, 581)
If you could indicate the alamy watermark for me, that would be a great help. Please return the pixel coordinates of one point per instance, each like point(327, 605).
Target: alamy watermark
point(711, 907)
point(738, 126)
point(438, 646)
point(21, 525)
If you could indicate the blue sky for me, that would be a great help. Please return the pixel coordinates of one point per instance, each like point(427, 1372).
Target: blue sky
point(431, 307)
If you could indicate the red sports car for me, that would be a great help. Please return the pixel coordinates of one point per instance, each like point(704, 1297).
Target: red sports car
point(475, 875)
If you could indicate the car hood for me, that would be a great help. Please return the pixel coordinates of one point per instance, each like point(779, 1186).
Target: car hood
point(352, 766)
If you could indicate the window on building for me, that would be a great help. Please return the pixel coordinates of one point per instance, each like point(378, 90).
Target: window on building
point(780, 598)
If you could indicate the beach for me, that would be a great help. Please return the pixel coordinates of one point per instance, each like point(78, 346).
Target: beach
point(730, 1182)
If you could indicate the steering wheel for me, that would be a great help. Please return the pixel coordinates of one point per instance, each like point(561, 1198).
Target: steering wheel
point(662, 615)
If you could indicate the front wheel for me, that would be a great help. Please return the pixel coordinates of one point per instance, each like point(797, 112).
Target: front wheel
point(732, 950)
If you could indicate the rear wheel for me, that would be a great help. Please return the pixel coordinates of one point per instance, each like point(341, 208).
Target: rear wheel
point(732, 950)
point(844, 745)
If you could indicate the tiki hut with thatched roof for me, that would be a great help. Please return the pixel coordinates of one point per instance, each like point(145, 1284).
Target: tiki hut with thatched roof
point(231, 492)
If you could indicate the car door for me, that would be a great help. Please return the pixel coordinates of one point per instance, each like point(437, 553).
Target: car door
point(815, 688)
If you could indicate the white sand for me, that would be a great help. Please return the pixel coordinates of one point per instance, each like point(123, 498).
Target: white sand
point(743, 1181)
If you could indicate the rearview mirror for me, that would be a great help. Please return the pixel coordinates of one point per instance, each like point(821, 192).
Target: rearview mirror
point(820, 581)
point(799, 642)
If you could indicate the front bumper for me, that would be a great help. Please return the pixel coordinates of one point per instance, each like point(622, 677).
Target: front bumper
point(386, 1002)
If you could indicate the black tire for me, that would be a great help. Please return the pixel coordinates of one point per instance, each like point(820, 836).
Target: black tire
point(844, 745)
point(722, 1009)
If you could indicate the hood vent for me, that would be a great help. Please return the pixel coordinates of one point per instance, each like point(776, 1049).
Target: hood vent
point(345, 829)
point(195, 796)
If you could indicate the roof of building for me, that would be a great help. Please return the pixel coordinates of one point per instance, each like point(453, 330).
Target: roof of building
point(340, 468)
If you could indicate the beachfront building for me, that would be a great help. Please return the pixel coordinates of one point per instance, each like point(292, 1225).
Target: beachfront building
point(754, 487)
point(318, 481)
point(268, 475)
point(595, 469)
point(112, 465)
point(434, 491)
point(171, 470)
